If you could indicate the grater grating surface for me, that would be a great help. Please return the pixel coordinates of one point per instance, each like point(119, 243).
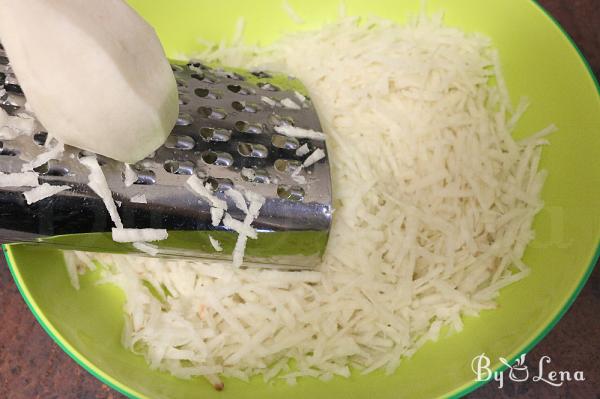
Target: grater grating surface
point(225, 134)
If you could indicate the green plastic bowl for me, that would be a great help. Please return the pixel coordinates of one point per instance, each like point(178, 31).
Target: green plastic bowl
point(539, 61)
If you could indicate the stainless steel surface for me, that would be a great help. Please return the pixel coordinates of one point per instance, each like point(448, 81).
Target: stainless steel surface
point(225, 135)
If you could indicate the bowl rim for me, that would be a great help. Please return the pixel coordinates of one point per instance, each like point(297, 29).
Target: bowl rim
point(456, 393)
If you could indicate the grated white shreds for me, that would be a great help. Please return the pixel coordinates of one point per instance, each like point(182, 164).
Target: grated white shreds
point(249, 173)
point(299, 133)
point(315, 157)
point(216, 215)
point(138, 235)
point(97, 182)
point(215, 243)
point(290, 104)
point(239, 226)
point(238, 199)
point(139, 199)
point(302, 150)
point(44, 191)
point(78, 263)
point(53, 153)
point(14, 126)
point(247, 231)
point(291, 13)
point(269, 101)
point(300, 97)
point(434, 203)
point(26, 179)
point(145, 247)
point(7, 133)
point(71, 264)
point(129, 176)
point(196, 185)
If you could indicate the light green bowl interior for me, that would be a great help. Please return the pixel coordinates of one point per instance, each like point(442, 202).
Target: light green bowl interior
point(539, 61)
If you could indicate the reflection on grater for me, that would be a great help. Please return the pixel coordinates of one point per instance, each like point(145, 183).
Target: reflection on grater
point(251, 131)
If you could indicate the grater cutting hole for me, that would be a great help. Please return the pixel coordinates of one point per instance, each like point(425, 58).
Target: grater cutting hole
point(100, 159)
point(40, 138)
point(146, 163)
point(245, 127)
point(184, 100)
point(278, 120)
point(205, 93)
point(255, 175)
point(229, 75)
point(181, 82)
point(218, 184)
point(284, 142)
point(11, 78)
point(52, 169)
point(212, 183)
point(201, 172)
point(217, 158)
point(224, 184)
point(3, 60)
point(176, 68)
point(2, 78)
point(10, 109)
point(251, 150)
point(14, 101)
point(211, 134)
point(261, 74)
point(8, 152)
point(179, 168)
point(198, 76)
point(13, 88)
point(180, 142)
point(240, 90)
point(145, 177)
point(242, 106)
point(203, 77)
point(268, 86)
point(292, 193)
point(212, 113)
point(261, 177)
point(287, 165)
point(184, 119)
point(197, 64)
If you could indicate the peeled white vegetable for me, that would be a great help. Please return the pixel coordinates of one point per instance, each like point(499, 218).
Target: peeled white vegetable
point(94, 72)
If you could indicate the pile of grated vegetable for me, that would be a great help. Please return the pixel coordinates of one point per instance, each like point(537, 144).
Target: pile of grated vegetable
point(434, 202)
